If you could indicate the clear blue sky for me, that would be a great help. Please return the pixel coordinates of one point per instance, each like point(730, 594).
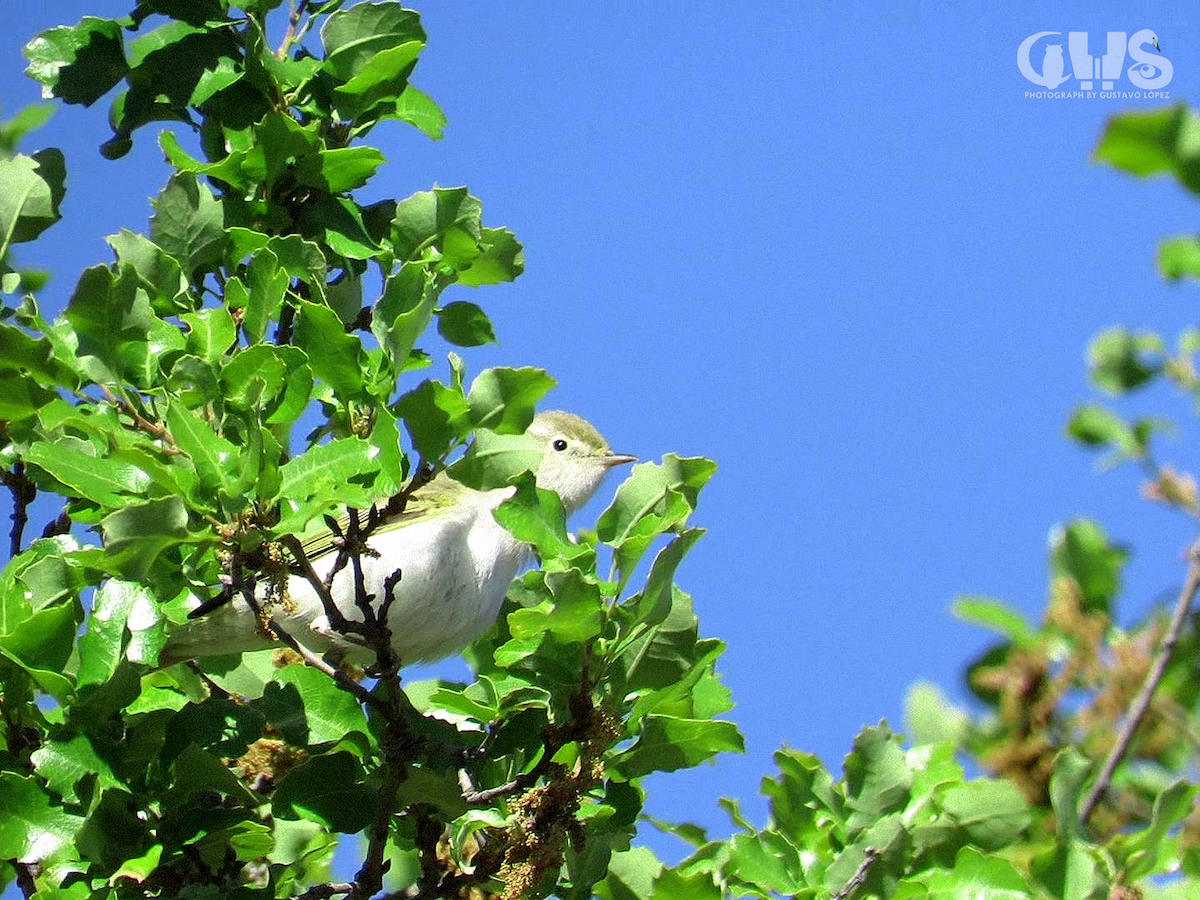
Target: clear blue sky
point(836, 250)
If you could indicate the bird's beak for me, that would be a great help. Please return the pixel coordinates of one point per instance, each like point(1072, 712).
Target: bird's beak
point(617, 459)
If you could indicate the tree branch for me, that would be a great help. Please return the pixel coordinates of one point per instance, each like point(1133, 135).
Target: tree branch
point(60, 525)
point(25, 879)
point(554, 742)
point(157, 431)
point(1141, 703)
point(344, 681)
point(325, 891)
point(870, 854)
point(23, 493)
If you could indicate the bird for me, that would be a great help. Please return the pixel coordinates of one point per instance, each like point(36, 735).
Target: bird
point(455, 564)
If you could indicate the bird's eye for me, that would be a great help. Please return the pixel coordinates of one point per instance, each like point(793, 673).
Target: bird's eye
point(559, 444)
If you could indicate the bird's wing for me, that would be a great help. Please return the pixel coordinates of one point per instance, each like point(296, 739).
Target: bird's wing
point(428, 502)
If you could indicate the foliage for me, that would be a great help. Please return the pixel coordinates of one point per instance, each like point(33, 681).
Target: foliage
point(163, 406)
point(163, 409)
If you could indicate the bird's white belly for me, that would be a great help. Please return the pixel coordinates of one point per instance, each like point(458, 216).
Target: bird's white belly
point(454, 574)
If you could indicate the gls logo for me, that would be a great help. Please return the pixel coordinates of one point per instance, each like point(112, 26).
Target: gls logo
point(1151, 70)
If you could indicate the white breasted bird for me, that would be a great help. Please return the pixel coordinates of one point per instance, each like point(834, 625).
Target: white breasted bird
point(456, 563)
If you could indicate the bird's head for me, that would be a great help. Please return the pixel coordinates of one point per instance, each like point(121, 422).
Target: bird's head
point(575, 456)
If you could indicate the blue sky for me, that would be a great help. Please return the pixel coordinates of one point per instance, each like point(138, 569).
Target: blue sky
point(837, 250)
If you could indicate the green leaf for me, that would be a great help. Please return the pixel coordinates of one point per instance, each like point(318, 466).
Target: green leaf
point(340, 221)
point(1147, 852)
point(31, 829)
point(1122, 360)
point(78, 63)
point(209, 453)
point(25, 355)
point(977, 875)
point(631, 875)
point(109, 316)
point(278, 379)
point(104, 481)
point(662, 657)
point(139, 868)
point(878, 779)
point(654, 602)
point(197, 771)
point(329, 713)
point(159, 274)
point(992, 813)
point(422, 220)
point(328, 790)
point(340, 169)
point(267, 283)
point(418, 109)
point(211, 332)
point(804, 800)
point(403, 312)
point(324, 474)
point(1096, 426)
point(124, 622)
point(1159, 141)
point(465, 325)
point(381, 79)
point(188, 223)
point(1071, 771)
point(135, 535)
point(40, 611)
point(335, 356)
point(1179, 258)
point(29, 119)
point(504, 400)
point(762, 866)
point(31, 189)
point(535, 516)
point(218, 725)
point(21, 397)
point(930, 717)
point(64, 763)
point(493, 460)
point(300, 258)
point(993, 614)
point(667, 744)
point(352, 37)
point(501, 259)
point(647, 491)
point(1083, 552)
point(576, 614)
point(436, 418)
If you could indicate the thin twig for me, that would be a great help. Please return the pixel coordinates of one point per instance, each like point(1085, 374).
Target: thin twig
point(23, 493)
point(344, 681)
point(325, 891)
point(362, 322)
point(25, 879)
point(337, 621)
point(156, 431)
point(287, 320)
point(290, 37)
point(870, 854)
point(60, 525)
point(554, 743)
point(1141, 703)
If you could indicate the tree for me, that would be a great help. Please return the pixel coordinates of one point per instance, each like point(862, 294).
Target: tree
point(162, 408)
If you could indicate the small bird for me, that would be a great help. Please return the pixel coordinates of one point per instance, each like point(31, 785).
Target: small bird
point(455, 560)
